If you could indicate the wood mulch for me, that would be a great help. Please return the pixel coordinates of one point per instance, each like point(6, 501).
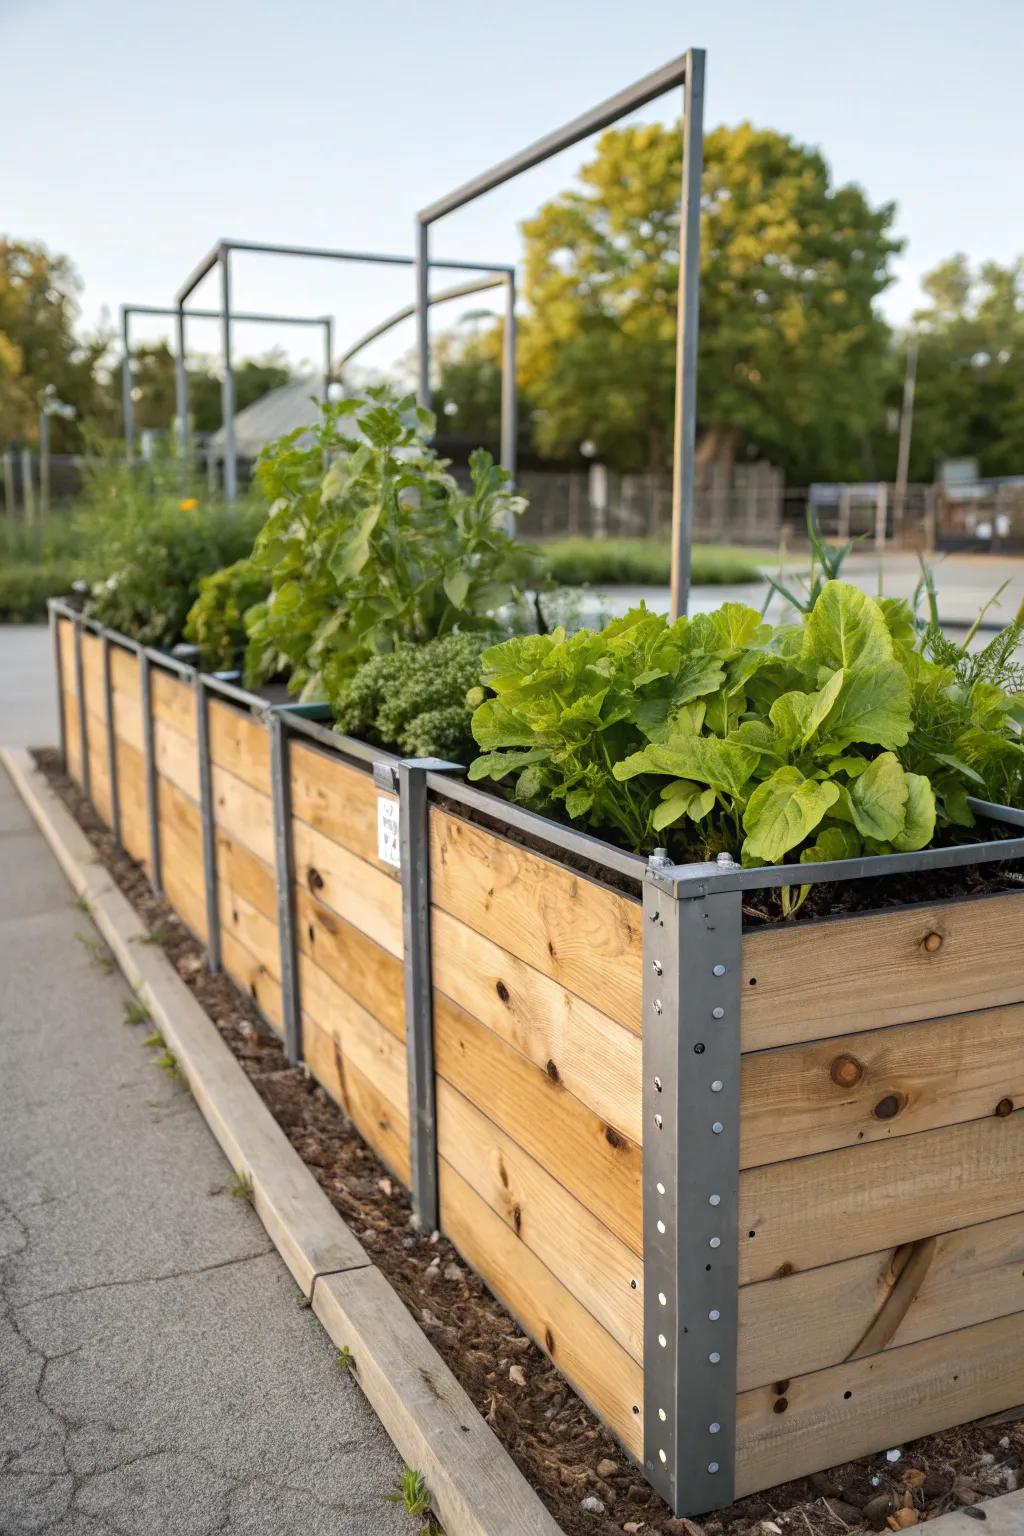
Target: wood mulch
point(587, 1481)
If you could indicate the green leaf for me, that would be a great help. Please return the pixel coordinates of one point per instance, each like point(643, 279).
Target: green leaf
point(798, 716)
point(724, 765)
point(832, 843)
point(919, 826)
point(873, 708)
point(878, 799)
point(782, 811)
point(578, 802)
point(845, 628)
point(456, 586)
point(495, 765)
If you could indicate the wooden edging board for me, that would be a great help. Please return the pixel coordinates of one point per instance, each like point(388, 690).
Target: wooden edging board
point(476, 1488)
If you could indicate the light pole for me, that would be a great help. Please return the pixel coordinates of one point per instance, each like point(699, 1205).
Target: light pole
point(906, 427)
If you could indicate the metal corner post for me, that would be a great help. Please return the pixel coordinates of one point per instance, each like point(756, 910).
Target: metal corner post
point(108, 709)
point(691, 1065)
point(127, 404)
point(83, 725)
point(328, 356)
point(227, 391)
point(58, 672)
point(181, 387)
point(423, 313)
point(414, 844)
point(509, 401)
point(284, 859)
point(685, 427)
point(149, 758)
point(209, 830)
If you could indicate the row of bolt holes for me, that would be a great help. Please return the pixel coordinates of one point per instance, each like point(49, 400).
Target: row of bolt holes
point(715, 1242)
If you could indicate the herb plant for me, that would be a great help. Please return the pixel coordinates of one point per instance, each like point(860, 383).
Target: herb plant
point(817, 740)
point(384, 547)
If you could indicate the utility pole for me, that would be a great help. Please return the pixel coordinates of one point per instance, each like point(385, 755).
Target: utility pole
point(906, 427)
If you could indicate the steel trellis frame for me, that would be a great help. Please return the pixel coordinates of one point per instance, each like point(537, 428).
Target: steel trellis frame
point(686, 71)
point(219, 257)
point(260, 317)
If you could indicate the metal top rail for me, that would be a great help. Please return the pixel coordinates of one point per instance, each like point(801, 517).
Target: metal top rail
point(214, 314)
point(628, 100)
point(319, 253)
point(481, 285)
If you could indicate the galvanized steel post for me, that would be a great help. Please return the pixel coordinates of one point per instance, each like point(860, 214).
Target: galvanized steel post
point(284, 863)
point(509, 403)
point(127, 404)
point(414, 845)
point(209, 830)
point(58, 668)
point(83, 727)
point(149, 758)
point(691, 1064)
point(227, 392)
point(108, 707)
point(684, 437)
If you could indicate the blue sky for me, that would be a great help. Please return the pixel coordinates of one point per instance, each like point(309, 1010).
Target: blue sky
point(138, 132)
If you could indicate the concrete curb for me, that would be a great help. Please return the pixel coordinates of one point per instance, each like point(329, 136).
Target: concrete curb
point(476, 1488)
point(1003, 1516)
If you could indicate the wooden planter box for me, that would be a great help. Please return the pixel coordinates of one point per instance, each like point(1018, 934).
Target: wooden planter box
point(783, 1169)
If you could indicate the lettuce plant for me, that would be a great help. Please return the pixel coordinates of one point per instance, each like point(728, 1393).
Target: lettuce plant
point(719, 732)
point(216, 620)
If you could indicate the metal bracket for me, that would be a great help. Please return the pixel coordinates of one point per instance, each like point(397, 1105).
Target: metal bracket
point(83, 727)
point(108, 706)
point(209, 830)
point(149, 757)
point(691, 1067)
point(414, 842)
point(284, 868)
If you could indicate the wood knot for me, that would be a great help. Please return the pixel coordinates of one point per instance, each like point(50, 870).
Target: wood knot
point(889, 1107)
point(549, 1341)
point(552, 1072)
point(517, 1219)
point(502, 991)
point(932, 942)
point(846, 1071)
point(1004, 1108)
point(612, 1137)
point(314, 879)
point(784, 1270)
point(781, 1388)
point(780, 1404)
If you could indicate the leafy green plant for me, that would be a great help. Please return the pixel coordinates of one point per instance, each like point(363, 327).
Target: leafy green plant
point(240, 1187)
point(383, 548)
point(98, 952)
point(216, 620)
point(25, 588)
point(135, 1011)
point(414, 700)
point(346, 1360)
point(813, 740)
point(146, 547)
point(642, 562)
point(826, 564)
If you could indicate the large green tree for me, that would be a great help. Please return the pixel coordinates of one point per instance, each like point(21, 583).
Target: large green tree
point(39, 346)
point(792, 348)
point(153, 382)
point(970, 371)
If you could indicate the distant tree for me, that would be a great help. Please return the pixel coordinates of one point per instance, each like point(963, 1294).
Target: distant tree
point(792, 350)
point(970, 371)
point(467, 394)
point(153, 381)
point(39, 347)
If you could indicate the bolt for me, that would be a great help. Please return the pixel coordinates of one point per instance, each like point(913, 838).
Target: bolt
point(712, 1466)
point(715, 1242)
point(717, 1085)
point(713, 1429)
point(714, 1357)
point(714, 1315)
point(718, 1013)
point(659, 859)
point(714, 1199)
point(657, 967)
point(718, 970)
point(658, 1008)
point(718, 1128)
point(725, 861)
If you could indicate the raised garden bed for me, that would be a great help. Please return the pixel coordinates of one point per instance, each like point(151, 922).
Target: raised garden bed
point(783, 1168)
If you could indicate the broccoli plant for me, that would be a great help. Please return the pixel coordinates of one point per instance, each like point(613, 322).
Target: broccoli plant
point(417, 700)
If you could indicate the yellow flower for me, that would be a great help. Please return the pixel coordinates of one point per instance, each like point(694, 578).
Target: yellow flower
point(188, 505)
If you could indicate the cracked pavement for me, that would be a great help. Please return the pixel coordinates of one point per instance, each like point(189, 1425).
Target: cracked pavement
point(156, 1372)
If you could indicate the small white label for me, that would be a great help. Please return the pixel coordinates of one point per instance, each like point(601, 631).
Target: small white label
point(388, 847)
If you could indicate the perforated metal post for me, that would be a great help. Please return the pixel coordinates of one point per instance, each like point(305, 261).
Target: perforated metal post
point(209, 829)
point(284, 860)
point(83, 725)
point(691, 1063)
point(58, 667)
point(108, 707)
point(149, 759)
point(414, 844)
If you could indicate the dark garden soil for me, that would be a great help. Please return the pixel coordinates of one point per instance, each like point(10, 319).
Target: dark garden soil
point(583, 1476)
